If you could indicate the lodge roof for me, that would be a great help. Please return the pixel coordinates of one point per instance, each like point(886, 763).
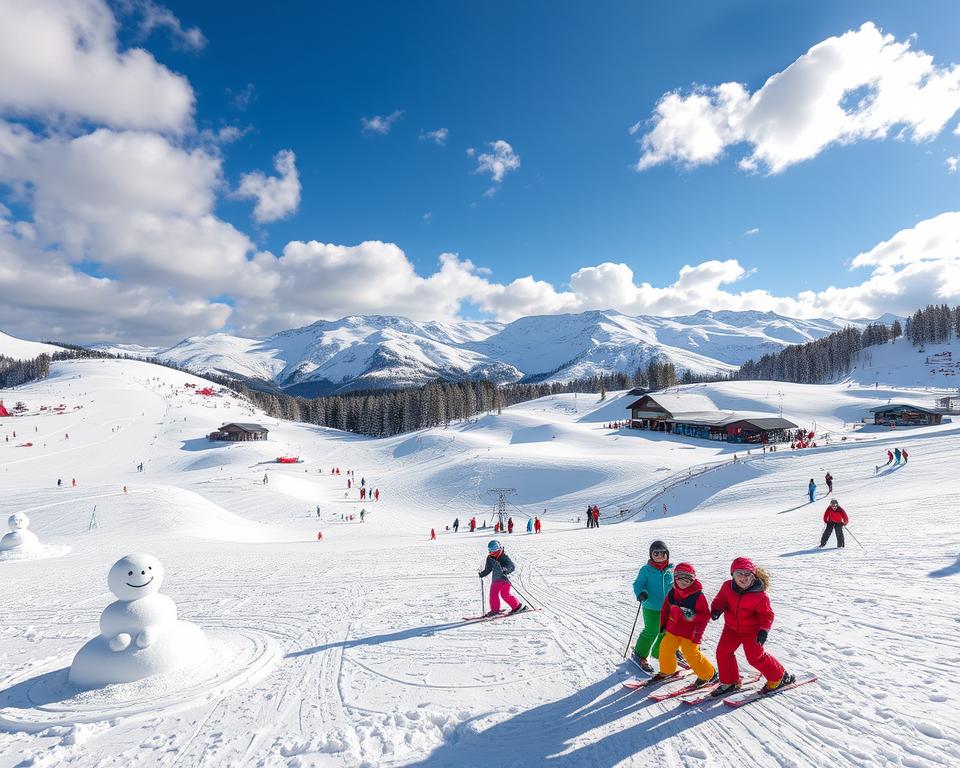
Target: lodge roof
point(244, 427)
point(909, 406)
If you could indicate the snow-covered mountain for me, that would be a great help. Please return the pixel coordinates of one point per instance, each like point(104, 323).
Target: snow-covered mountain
point(380, 351)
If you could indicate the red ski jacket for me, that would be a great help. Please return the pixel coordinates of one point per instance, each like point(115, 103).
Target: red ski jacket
point(685, 613)
point(744, 612)
point(831, 515)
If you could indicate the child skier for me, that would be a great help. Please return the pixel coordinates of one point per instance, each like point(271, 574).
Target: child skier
point(903, 452)
point(650, 588)
point(812, 490)
point(747, 619)
point(896, 453)
point(828, 479)
point(683, 617)
point(835, 518)
point(501, 566)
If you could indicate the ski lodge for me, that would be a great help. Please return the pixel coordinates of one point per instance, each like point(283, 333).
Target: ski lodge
point(239, 433)
point(693, 415)
point(904, 415)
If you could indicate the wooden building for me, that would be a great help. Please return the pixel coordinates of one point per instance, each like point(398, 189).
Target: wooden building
point(240, 433)
point(905, 415)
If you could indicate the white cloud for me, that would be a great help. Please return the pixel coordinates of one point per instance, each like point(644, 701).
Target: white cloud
point(860, 85)
point(381, 125)
point(952, 163)
point(471, 151)
point(500, 161)
point(438, 136)
point(67, 65)
point(243, 98)
point(155, 16)
point(428, 216)
point(753, 231)
point(276, 196)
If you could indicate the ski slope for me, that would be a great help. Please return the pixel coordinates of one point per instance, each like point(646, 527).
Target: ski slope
point(351, 651)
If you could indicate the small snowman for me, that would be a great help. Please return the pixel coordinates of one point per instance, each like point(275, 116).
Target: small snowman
point(140, 635)
point(20, 538)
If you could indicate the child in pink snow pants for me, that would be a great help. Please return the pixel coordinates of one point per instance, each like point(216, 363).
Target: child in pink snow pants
point(501, 566)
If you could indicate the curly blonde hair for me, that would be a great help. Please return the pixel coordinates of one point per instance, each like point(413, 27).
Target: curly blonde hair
point(763, 577)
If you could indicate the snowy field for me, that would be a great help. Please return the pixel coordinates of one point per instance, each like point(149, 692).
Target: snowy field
point(352, 651)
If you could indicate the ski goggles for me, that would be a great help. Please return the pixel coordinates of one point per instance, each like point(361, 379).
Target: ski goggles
point(682, 577)
point(742, 573)
point(659, 552)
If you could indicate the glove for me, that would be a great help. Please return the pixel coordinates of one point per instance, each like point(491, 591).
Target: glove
point(480, 574)
point(761, 636)
point(642, 596)
point(714, 615)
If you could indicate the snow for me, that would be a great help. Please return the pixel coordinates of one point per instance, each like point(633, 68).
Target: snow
point(351, 650)
point(19, 349)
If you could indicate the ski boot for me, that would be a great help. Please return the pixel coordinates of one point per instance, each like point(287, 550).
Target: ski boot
point(519, 609)
point(700, 682)
point(642, 662)
point(783, 681)
point(723, 690)
point(491, 614)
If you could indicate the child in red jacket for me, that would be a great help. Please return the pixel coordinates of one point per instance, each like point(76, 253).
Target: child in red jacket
point(683, 617)
point(747, 618)
point(835, 517)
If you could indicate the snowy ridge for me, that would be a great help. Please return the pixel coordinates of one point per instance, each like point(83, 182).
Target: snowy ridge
point(379, 351)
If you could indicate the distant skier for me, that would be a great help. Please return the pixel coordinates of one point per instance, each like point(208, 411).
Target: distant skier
point(896, 453)
point(349, 482)
point(530, 525)
point(828, 478)
point(903, 452)
point(318, 510)
point(59, 482)
point(265, 478)
point(501, 566)
point(889, 458)
point(812, 490)
point(683, 618)
point(596, 516)
point(363, 481)
point(363, 494)
point(536, 525)
point(510, 525)
point(653, 581)
point(433, 534)
point(73, 482)
point(589, 515)
point(747, 617)
point(363, 514)
point(456, 524)
point(835, 518)
point(473, 524)
point(376, 494)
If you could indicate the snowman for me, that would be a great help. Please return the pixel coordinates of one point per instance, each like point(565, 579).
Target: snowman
point(139, 635)
point(20, 538)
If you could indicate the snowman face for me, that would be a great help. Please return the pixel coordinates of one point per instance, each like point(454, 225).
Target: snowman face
point(18, 521)
point(135, 576)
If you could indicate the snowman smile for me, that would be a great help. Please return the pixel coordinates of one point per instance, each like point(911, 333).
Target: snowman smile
point(140, 586)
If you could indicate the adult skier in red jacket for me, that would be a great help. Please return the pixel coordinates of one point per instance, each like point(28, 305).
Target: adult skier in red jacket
point(835, 518)
point(747, 618)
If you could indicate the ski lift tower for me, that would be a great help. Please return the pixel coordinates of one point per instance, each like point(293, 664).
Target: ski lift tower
point(502, 504)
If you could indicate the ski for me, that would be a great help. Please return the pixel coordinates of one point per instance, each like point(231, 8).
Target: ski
point(634, 684)
point(500, 615)
point(691, 695)
point(691, 688)
point(746, 697)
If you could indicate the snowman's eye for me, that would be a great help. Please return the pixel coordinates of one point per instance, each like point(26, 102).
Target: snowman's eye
point(130, 573)
point(149, 567)
point(143, 573)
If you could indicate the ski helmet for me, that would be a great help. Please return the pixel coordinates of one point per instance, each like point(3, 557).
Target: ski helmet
point(659, 545)
point(743, 564)
point(684, 568)
point(494, 546)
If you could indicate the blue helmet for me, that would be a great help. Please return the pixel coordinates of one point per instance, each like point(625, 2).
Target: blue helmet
point(494, 546)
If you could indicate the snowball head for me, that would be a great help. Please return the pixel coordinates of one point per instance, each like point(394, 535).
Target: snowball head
point(18, 521)
point(135, 576)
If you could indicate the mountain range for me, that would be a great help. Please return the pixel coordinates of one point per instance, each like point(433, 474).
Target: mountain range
point(375, 351)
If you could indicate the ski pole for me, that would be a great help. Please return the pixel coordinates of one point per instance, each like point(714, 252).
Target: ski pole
point(632, 630)
point(854, 537)
point(522, 596)
point(483, 598)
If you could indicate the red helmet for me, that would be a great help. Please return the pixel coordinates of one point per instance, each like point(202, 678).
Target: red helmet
point(742, 564)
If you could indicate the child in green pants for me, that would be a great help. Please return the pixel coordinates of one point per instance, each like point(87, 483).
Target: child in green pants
point(650, 587)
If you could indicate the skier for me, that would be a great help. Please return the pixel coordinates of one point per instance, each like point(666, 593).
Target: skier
point(812, 490)
point(596, 516)
point(59, 482)
point(376, 494)
point(501, 566)
point(348, 483)
point(835, 518)
point(889, 458)
point(653, 581)
point(903, 452)
point(73, 482)
point(828, 479)
point(530, 525)
point(747, 619)
point(265, 478)
point(318, 510)
point(683, 618)
point(473, 524)
point(363, 494)
point(433, 534)
point(510, 525)
point(456, 524)
point(589, 516)
point(363, 513)
point(536, 525)
point(363, 481)
point(896, 453)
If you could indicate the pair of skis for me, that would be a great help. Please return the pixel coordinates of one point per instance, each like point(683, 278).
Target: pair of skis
point(523, 609)
point(690, 694)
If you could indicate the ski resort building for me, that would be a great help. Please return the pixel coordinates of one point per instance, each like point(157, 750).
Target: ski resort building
point(240, 433)
point(693, 415)
point(904, 415)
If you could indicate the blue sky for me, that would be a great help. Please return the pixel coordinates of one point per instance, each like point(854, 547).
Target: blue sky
point(560, 84)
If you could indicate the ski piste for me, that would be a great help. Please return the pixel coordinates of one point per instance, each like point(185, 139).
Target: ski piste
point(634, 683)
point(689, 688)
point(746, 697)
point(503, 615)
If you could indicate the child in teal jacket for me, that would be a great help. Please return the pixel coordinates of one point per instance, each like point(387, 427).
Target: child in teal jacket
point(651, 586)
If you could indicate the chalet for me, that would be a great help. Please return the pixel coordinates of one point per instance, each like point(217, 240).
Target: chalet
point(904, 415)
point(693, 415)
point(240, 433)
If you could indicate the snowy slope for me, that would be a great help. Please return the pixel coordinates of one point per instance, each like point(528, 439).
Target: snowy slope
point(19, 349)
point(375, 666)
point(357, 352)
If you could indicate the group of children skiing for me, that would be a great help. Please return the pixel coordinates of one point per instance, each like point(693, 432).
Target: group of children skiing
point(676, 613)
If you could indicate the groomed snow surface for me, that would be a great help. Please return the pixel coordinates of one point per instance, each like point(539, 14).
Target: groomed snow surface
point(351, 650)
